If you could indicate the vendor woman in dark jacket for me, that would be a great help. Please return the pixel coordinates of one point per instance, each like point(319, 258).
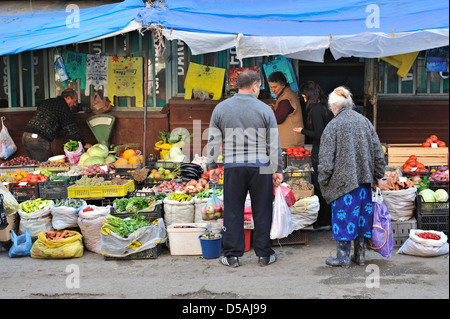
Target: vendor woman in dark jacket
point(317, 117)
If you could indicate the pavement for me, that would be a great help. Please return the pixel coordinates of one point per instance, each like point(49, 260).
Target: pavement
point(299, 273)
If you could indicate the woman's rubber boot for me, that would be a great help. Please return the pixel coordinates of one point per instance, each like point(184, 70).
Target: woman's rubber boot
point(360, 251)
point(342, 256)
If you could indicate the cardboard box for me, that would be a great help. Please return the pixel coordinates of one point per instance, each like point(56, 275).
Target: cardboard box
point(299, 194)
point(13, 221)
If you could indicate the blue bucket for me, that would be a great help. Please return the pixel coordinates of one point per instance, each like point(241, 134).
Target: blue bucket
point(211, 248)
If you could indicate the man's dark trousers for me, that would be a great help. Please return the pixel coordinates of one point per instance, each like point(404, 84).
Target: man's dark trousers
point(237, 182)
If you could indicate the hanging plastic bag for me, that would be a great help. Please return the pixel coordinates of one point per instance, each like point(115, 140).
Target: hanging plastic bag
point(61, 68)
point(205, 78)
point(7, 145)
point(382, 240)
point(98, 105)
point(288, 195)
point(213, 209)
point(281, 217)
point(21, 245)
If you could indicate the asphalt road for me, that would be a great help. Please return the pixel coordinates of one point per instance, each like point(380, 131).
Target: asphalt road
point(300, 273)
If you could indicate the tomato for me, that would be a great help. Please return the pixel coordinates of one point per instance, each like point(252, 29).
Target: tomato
point(429, 140)
point(434, 138)
point(420, 165)
point(307, 153)
point(441, 143)
point(301, 149)
point(407, 169)
point(414, 157)
point(411, 162)
point(426, 144)
point(289, 150)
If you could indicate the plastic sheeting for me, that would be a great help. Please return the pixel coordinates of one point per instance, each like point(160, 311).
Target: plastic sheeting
point(303, 29)
point(30, 29)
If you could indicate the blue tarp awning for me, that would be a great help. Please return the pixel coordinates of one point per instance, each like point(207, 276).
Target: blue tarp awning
point(31, 29)
point(303, 29)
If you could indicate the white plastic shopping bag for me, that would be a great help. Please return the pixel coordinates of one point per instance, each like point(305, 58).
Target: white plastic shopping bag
point(7, 145)
point(281, 217)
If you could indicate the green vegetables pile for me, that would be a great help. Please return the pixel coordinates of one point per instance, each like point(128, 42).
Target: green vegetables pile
point(68, 202)
point(71, 146)
point(131, 205)
point(207, 193)
point(124, 227)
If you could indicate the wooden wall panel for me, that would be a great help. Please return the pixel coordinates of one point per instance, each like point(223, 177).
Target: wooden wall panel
point(129, 127)
point(400, 122)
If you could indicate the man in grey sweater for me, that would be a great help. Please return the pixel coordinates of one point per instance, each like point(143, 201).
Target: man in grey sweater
point(248, 130)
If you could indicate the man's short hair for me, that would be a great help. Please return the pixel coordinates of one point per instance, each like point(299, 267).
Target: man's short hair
point(68, 92)
point(247, 78)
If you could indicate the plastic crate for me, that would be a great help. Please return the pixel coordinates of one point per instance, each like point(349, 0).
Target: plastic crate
point(26, 192)
point(11, 169)
point(53, 189)
point(166, 164)
point(400, 230)
point(297, 237)
point(150, 216)
point(301, 163)
point(291, 174)
point(151, 253)
point(100, 191)
point(434, 185)
point(432, 216)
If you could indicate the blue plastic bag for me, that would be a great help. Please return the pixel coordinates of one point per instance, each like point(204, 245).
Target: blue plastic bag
point(382, 240)
point(21, 245)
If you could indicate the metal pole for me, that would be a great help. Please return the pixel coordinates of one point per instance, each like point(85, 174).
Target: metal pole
point(145, 97)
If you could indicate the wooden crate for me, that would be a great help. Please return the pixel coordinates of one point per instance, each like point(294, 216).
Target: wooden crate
point(399, 153)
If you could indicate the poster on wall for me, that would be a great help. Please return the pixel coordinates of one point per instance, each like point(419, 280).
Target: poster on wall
point(125, 78)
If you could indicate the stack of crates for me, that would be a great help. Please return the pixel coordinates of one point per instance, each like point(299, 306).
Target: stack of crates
point(432, 215)
point(400, 230)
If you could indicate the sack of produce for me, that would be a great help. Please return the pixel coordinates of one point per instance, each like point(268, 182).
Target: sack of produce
point(62, 244)
point(425, 243)
point(123, 237)
point(73, 151)
point(35, 215)
point(304, 212)
point(400, 203)
point(90, 222)
point(65, 212)
point(178, 208)
point(21, 244)
point(10, 204)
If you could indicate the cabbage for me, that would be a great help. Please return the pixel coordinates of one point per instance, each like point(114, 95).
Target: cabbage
point(110, 159)
point(175, 154)
point(441, 195)
point(428, 195)
point(98, 150)
point(83, 157)
point(91, 160)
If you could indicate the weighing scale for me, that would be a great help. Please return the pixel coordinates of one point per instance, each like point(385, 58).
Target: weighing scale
point(101, 126)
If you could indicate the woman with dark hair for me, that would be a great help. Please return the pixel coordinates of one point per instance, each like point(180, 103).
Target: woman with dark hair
point(318, 116)
point(288, 111)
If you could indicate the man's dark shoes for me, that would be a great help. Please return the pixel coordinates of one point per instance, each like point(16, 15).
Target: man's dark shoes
point(264, 261)
point(229, 261)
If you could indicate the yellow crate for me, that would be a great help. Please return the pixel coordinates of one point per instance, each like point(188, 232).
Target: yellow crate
point(100, 191)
